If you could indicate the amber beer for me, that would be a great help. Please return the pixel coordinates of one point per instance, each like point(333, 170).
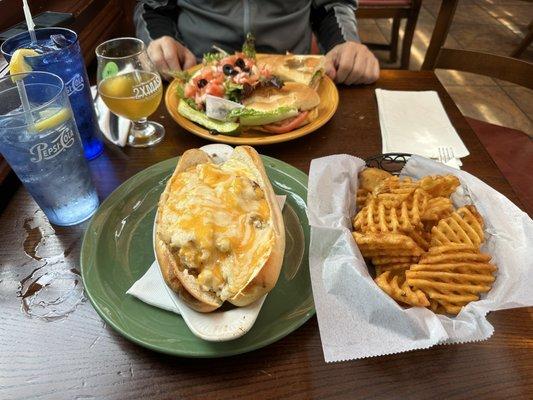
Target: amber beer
point(133, 95)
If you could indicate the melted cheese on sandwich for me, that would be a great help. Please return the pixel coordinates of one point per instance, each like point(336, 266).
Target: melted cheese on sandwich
point(218, 224)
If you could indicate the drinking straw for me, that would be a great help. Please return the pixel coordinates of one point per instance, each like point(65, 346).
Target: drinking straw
point(29, 20)
point(20, 82)
point(25, 103)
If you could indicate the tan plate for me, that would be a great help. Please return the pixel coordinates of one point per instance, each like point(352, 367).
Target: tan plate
point(329, 100)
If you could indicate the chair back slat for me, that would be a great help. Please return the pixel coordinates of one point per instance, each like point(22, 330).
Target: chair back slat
point(495, 66)
point(492, 65)
point(440, 32)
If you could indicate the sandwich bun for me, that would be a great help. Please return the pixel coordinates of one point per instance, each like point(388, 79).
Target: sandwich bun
point(292, 94)
point(306, 69)
point(219, 232)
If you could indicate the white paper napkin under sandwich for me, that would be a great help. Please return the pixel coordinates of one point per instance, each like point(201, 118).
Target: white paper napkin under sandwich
point(356, 318)
point(416, 123)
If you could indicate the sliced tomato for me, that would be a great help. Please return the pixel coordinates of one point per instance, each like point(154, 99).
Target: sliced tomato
point(229, 59)
point(251, 79)
point(288, 124)
point(219, 78)
point(190, 90)
point(249, 63)
point(214, 89)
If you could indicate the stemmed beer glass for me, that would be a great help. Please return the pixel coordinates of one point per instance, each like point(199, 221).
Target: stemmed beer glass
point(130, 87)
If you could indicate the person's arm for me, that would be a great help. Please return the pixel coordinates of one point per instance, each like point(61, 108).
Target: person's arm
point(155, 19)
point(334, 22)
point(156, 25)
point(347, 60)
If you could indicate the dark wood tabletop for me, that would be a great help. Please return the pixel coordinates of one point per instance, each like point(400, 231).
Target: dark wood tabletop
point(80, 357)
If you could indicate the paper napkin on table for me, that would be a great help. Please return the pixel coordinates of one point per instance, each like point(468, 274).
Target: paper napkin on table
point(416, 123)
point(355, 317)
point(151, 288)
point(114, 128)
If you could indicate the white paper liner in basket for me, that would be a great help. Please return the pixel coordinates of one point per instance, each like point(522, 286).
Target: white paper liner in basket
point(356, 319)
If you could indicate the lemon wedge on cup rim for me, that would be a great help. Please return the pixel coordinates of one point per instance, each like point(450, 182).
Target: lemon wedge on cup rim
point(18, 64)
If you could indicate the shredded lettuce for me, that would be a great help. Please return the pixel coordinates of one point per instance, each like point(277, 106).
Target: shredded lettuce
point(234, 91)
point(212, 57)
point(181, 95)
point(183, 76)
point(316, 76)
point(248, 47)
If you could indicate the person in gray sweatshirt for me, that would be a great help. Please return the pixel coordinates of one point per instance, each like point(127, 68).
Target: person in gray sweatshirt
point(179, 32)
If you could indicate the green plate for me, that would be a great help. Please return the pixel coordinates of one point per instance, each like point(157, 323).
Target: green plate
point(117, 251)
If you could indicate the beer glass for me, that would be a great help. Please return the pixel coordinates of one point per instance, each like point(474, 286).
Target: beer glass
point(130, 87)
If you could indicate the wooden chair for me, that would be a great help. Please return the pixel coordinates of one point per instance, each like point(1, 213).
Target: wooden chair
point(524, 44)
point(511, 150)
point(397, 10)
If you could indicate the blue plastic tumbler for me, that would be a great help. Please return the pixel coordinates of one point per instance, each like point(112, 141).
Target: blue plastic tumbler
point(59, 53)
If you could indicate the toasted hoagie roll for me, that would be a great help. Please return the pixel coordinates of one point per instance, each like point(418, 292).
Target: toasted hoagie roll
point(219, 230)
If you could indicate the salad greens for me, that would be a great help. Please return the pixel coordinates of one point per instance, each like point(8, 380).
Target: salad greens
point(181, 95)
point(234, 91)
point(212, 57)
point(248, 48)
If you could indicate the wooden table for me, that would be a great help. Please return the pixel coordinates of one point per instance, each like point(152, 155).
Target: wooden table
point(79, 357)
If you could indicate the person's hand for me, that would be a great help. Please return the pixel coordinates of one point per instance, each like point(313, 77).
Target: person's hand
point(352, 63)
point(168, 55)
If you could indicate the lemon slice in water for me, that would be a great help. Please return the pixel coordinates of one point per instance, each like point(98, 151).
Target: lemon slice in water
point(18, 64)
point(51, 118)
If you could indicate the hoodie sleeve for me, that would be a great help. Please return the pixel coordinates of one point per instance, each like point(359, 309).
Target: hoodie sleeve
point(154, 19)
point(334, 22)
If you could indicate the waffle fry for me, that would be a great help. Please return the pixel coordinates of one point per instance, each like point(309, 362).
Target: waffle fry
point(391, 267)
point(392, 216)
point(424, 253)
point(386, 245)
point(395, 264)
point(439, 186)
point(361, 198)
point(394, 260)
point(452, 276)
point(436, 209)
point(421, 238)
point(377, 217)
point(396, 287)
point(463, 226)
point(395, 190)
point(370, 178)
point(450, 248)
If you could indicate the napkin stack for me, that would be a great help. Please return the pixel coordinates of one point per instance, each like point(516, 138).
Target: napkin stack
point(416, 123)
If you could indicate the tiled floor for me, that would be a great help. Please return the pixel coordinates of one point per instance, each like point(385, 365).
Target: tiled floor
point(495, 26)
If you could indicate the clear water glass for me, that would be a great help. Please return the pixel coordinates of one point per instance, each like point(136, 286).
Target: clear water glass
point(44, 149)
